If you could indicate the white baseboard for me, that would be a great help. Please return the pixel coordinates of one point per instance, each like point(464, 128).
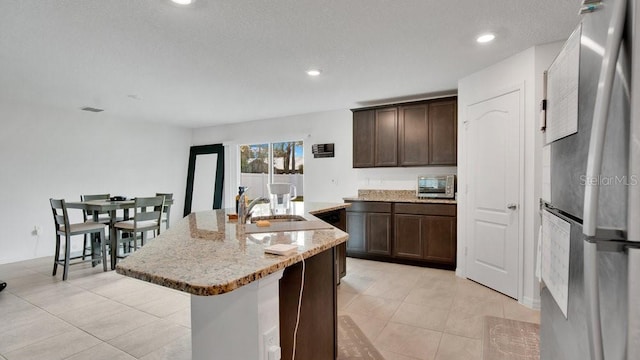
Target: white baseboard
point(530, 303)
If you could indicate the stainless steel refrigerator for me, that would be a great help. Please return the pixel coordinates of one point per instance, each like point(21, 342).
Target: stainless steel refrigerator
point(595, 189)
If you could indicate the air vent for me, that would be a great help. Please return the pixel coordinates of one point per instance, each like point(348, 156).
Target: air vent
point(91, 109)
point(322, 150)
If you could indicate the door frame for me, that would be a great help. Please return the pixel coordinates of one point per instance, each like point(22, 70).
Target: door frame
point(219, 184)
point(521, 183)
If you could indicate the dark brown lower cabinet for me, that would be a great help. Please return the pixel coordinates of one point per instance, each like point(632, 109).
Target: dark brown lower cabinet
point(357, 230)
point(379, 233)
point(338, 219)
point(412, 233)
point(317, 331)
point(409, 238)
point(440, 239)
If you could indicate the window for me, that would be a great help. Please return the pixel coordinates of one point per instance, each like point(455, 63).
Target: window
point(287, 166)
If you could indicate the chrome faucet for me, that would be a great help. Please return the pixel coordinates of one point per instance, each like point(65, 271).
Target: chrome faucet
point(244, 210)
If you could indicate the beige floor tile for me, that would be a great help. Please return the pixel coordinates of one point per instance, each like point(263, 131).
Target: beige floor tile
point(409, 341)
point(470, 288)
point(41, 294)
point(479, 306)
point(434, 298)
point(182, 317)
point(454, 347)
point(370, 326)
point(32, 284)
point(465, 324)
point(58, 305)
point(164, 304)
point(448, 285)
point(344, 299)
point(20, 315)
point(355, 283)
point(96, 280)
point(177, 350)
point(114, 325)
point(120, 288)
point(376, 307)
point(102, 351)
point(39, 328)
point(149, 338)
point(92, 312)
point(143, 295)
point(422, 316)
point(389, 355)
point(60, 346)
point(514, 310)
point(388, 289)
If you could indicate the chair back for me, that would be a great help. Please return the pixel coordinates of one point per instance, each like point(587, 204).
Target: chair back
point(60, 216)
point(87, 215)
point(148, 208)
point(167, 196)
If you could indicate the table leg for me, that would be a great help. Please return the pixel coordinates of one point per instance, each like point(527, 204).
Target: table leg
point(113, 239)
point(96, 252)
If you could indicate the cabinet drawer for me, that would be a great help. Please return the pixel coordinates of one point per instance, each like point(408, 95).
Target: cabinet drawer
point(369, 206)
point(426, 209)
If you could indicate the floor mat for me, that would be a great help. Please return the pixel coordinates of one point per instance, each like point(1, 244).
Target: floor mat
point(352, 343)
point(506, 339)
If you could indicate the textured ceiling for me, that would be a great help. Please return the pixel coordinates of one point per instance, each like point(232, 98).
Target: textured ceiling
point(235, 60)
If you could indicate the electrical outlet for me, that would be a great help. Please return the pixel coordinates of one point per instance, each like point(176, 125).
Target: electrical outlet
point(37, 230)
point(269, 340)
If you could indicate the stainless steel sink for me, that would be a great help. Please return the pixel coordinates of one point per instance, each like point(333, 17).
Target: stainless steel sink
point(278, 218)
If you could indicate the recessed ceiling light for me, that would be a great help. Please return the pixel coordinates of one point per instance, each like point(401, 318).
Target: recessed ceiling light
point(485, 38)
point(183, 2)
point(313, 72)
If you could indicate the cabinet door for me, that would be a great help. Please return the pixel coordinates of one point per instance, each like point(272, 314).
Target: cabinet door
point(378, 234)
point(439, 239)
point(408, 240)
point(386, 143)
point(356, 228)
point(363, 138)
point(443, 133)
point(413, 139)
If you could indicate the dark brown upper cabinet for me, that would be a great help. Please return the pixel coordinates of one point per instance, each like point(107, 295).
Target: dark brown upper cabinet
point(386, 144)
point(363, 138)
point(411, 134)
point(443, 132)
point(413, 147)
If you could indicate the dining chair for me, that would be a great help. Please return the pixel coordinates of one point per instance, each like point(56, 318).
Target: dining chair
point(166, 210)
point(103, 217)
point(66, 229)
point(147, 212)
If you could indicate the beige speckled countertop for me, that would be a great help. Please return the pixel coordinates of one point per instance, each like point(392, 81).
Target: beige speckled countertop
point(205, 254)
point(407, 196)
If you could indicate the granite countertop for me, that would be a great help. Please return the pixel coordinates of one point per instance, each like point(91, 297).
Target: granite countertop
point(206, 254)
point(406, 196)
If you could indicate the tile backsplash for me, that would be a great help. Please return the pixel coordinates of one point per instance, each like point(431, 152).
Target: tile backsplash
point(398, 178)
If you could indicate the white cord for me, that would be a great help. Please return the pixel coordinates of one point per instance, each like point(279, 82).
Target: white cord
point(295, 331)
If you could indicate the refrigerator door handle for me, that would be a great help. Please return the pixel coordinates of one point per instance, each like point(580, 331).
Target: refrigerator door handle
point(594, 168)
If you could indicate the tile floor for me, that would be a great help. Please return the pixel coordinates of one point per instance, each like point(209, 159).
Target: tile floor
point(407, 312)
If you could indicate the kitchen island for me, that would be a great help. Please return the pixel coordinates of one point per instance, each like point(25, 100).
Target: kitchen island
point(243, 300)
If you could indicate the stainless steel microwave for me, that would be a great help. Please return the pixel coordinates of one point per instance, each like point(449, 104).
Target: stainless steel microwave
point(443, 187)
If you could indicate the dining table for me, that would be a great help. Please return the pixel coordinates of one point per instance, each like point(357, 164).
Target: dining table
point(109, 206)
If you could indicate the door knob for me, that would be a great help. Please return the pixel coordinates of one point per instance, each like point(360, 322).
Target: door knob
point(512, 206)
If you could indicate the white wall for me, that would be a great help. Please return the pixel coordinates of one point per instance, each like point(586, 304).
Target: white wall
point(48, 152)
point(524, 70)
point(325, 179)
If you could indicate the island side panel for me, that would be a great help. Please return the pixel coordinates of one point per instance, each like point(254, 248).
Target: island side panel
point(317, 331)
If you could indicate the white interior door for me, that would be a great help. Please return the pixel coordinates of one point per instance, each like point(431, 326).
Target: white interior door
point(493, 168)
